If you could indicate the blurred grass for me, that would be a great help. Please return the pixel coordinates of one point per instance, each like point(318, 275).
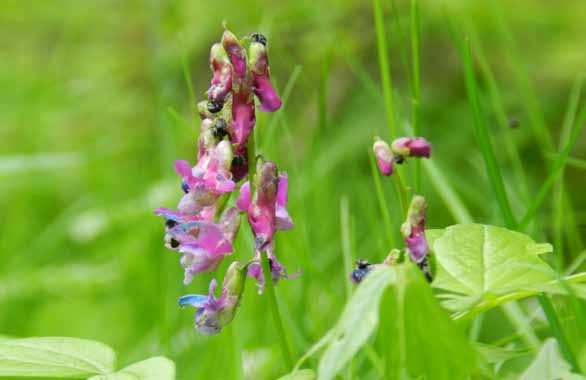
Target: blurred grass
point(94, 108)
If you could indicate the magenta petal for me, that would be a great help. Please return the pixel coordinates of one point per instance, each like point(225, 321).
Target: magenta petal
point(385, 167)
point(243, 117)
point(264, 90)
point(243, 201)
point(183, 168)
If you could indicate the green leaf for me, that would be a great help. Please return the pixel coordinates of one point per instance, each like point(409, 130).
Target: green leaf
point(302, 374)
point(54, 357)
point(549, 364)
point(421, 339)
point(477, 260)
point(357, 322)
point(157, 368)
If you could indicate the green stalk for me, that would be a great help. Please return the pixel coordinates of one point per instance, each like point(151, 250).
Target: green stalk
point(483, 138)
point(415, 83)
point(382, 203)
point(275, 312)
point(385, 71)
point(557, 331)
point(554, 172)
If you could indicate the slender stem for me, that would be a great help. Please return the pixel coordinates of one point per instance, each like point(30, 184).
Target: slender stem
point(385, 70)
point(416, 83)
point(274, 306)
point(556, 329)
point(382, 202)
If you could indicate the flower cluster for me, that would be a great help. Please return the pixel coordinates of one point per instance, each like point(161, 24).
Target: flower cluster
point(202, 228)
point(400, 149)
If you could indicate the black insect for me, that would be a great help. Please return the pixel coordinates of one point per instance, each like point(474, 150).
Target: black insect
point(260, 38)
point(174, 243)
point(170, 223)
point(238, 160)
point(220, 128)
point(214, 107)
point(363, 267)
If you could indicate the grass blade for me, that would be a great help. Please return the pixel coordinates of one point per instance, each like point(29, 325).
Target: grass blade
point(483, 138)
point(415, 83)
point(554, 172)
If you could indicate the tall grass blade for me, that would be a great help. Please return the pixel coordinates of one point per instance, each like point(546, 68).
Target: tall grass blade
point(554, 172)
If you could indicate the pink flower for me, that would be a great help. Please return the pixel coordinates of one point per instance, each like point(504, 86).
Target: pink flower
point(384, 156)
point(411, 147)
point(236, 54)
point(203, 246)
point(261, 83)
point(267, 213)
point(205, 182)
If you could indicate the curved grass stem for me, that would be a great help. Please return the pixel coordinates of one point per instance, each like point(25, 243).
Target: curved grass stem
point(276, 313)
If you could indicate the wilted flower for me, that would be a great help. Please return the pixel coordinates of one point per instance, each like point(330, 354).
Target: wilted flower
point(384, 156)
point(243, 117)
point(214, 313)
point(262, 87)
point(411, 147)
point(413, 231)
point(278, 271)
point(221, 83)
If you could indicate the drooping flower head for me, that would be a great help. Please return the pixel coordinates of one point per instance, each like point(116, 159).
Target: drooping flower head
point(259, 66)
point(384, 156)
point(215, 313)
point(411, 147)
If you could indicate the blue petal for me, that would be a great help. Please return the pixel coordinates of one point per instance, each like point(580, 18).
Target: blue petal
point(195, 300)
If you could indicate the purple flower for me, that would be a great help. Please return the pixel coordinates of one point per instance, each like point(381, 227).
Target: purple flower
point(411, 147)
point(221, 83)
point(209, 179)
point(214, 313)
point(267, 211)
point(413, 229)
point(278, 271)
point(384, 156)
point(261, 83)
point(203, 245)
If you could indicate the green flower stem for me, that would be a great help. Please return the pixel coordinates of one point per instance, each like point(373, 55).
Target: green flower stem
point(556, 329)
point(276, 313)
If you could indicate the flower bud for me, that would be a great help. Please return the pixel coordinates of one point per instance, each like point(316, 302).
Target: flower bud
point(411, 147)
point(384, 156)
point(413, 230)
point(236, 54)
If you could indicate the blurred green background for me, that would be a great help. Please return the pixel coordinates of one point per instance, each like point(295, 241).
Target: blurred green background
point(94, 108)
